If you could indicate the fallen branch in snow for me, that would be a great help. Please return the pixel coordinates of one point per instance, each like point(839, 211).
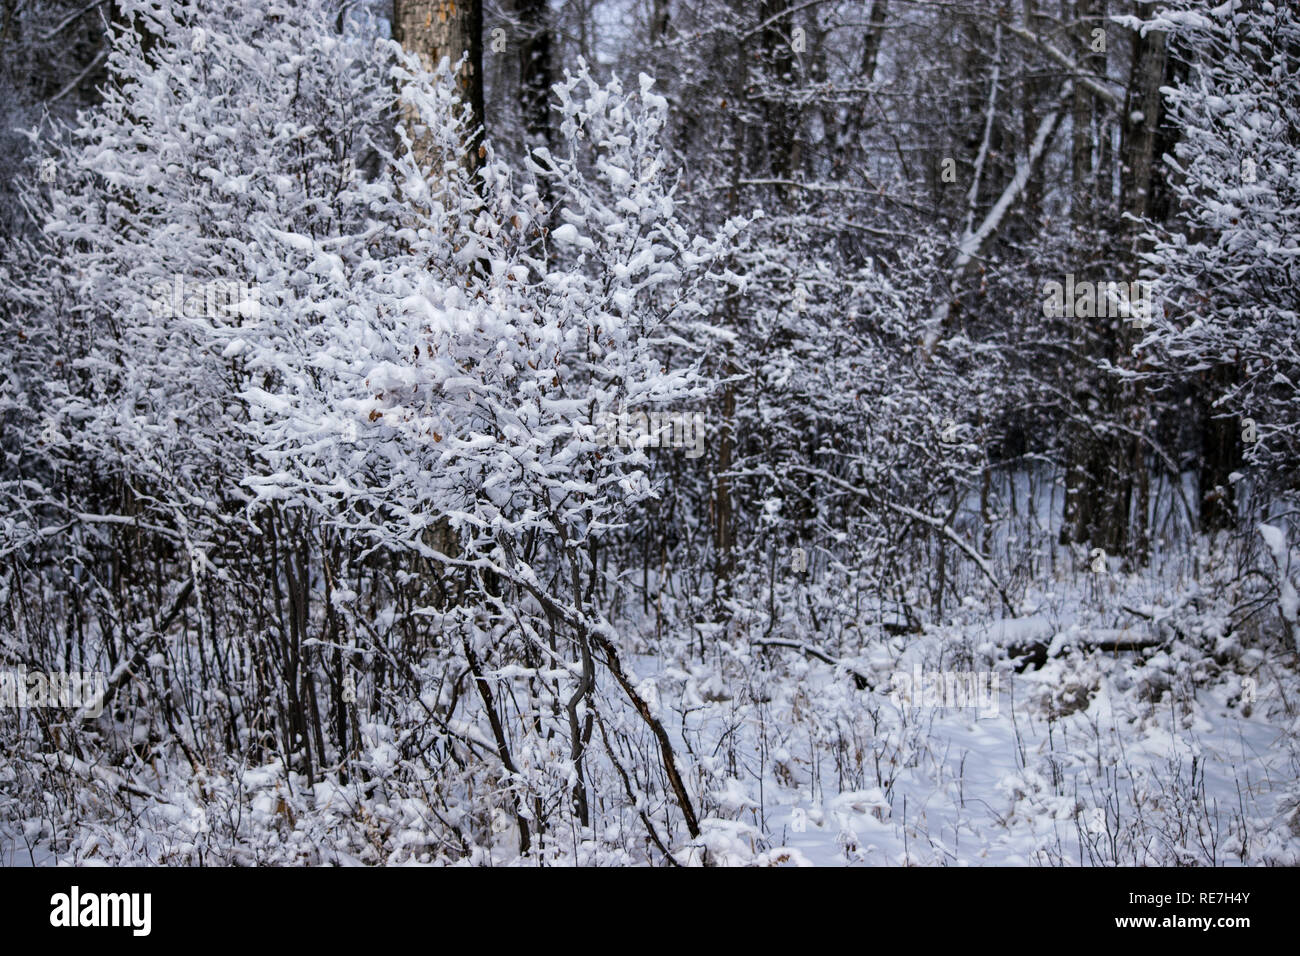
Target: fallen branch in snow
point(1119, 644)
point(1165, 619)
point(859, 680)
point(637, 799)
point(96, 773)
point(1036, 652)
point(657, 728)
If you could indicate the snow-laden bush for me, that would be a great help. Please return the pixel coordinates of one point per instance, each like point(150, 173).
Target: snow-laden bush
point(1227, 265)
point(348, 392)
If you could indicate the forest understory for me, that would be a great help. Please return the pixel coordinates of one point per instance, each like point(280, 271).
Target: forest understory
point(1124, 719)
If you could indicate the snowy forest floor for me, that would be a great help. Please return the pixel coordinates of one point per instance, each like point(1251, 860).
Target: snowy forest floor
point(1186, 751)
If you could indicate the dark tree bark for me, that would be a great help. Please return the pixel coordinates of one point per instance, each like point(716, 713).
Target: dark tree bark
point(536, 70)
point(433, 29)
point(659, 20)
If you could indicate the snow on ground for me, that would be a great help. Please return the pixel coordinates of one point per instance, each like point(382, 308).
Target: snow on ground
point(1017, 789)
point(1179, 744)
point(1184, 752)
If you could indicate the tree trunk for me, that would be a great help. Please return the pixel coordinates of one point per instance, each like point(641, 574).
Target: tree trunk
point(659, 21)
point(1142, 114)
point(536, 71)
point(434, 29)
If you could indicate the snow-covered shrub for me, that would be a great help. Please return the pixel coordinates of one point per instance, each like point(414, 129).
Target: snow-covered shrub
point(448, 413)
point(377, 473)
point(1226, 267)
